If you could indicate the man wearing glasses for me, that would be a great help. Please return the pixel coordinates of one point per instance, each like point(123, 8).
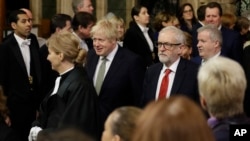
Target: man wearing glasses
point(173, 75)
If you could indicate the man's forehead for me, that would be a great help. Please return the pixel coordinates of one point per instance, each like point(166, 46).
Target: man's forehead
point(22, 16)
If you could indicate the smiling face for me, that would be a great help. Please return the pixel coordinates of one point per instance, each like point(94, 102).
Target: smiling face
point(23, 26)
point(102, 45)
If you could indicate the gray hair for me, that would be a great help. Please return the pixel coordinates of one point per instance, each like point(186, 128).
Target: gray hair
point(76, 4)
point(214, 33)
point(179, 35)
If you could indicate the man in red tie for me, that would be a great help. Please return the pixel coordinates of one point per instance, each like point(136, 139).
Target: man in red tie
point(173, 75)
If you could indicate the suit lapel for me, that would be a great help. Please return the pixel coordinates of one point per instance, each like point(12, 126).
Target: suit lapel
point(17, 52)
point(65, 84)
point(142, 36)
point(35, 58)
point(180, 74)
point(117, 60)
point(155, 78)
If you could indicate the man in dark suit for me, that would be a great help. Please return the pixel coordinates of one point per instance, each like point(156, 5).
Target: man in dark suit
point(82, 23)
point(232, 46)
point(182, 76)
point(121, 83)
point(20, 73)
point(209, 43)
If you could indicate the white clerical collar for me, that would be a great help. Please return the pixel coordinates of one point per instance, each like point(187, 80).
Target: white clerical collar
point(67, 71)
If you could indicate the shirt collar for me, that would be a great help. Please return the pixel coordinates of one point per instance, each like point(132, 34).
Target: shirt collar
point(143, 29)
point(173, 67)
point(19, 39)
point(112, 54)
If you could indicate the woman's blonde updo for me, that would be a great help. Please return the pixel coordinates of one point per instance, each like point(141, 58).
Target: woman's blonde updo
point(67, 43)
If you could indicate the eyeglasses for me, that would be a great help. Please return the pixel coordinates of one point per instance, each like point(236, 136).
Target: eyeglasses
point(186, 11)
point(167, 45)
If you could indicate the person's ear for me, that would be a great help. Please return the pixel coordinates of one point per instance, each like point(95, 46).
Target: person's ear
point(203, 103)
point(61, 56)
point(13, 25)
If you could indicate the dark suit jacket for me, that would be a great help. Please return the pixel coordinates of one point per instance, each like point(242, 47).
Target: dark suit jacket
point(232, 46)
point(123, 82)
point(23, 98)
point(185, 81)
point(74, 105)
point(135, 41)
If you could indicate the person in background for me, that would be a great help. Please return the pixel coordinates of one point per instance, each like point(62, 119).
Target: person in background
point(232, 46)
point(82, 6)
point(228, 20)
point(222, 85)
point(82, 24)
point(173, 75)
point(120, 124)
point(139, 37)
point(187, 17)
point(209, 44)
point(7, 134)
point(119, 22)
point(20, 73)
point(173, 119)
point(161, 20)
point(187, 48)
point(242, 25)
point(73, 101)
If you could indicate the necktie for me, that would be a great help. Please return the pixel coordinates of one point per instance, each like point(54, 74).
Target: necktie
point(57, 84)
point(26, 42)
point(100, 75)
point(164, 85)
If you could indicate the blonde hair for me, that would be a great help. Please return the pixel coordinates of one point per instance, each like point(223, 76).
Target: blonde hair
point(123, 121)
point(67, 43)
point(222, 84)
point(173, 119)
point(106, 28)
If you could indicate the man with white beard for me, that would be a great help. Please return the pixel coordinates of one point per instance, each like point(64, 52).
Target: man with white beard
point(173, 75)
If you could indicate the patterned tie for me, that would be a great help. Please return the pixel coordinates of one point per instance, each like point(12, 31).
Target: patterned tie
point(100, 75)
point(164, 85)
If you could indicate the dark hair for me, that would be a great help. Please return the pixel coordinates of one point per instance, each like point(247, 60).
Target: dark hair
point(82, 18)
point(13, 17)
point(59, 21)
point(215, 5)
point(201, 12)
point(181, 11)
point(136, 10)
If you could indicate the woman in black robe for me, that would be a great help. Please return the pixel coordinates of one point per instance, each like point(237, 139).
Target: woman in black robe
point(73, 101)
